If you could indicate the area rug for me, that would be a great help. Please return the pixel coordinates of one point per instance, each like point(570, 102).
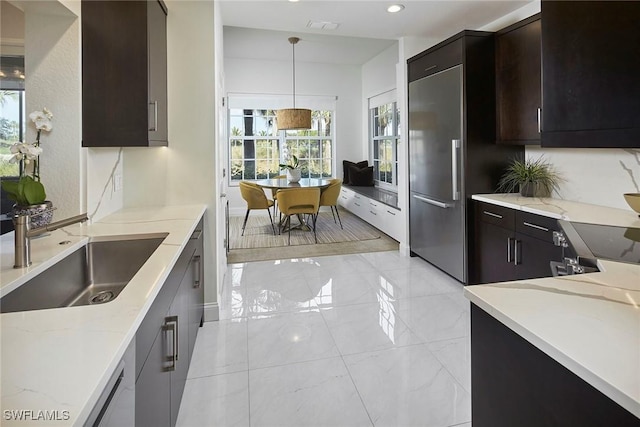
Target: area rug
point(259, 243)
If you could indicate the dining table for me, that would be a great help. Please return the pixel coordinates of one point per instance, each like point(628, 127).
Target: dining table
point(282, 183)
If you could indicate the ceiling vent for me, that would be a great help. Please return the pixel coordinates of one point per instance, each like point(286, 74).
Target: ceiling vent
point(322, 25)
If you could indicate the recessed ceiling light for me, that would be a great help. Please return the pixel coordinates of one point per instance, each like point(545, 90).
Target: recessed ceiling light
point(294, 1)
point(394, 8)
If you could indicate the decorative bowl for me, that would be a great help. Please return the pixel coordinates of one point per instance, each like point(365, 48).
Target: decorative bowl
point(633, 200)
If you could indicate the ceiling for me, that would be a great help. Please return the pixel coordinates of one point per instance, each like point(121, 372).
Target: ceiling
point(365, 27)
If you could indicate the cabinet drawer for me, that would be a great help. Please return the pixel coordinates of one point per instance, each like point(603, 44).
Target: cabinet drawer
point(496, 215)
point(540, 227)
point(433, 62)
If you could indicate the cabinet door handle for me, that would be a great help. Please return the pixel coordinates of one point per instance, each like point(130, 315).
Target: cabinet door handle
point(539, 120)
point(155, 116)
point(509, 239)
point(537, 227)
point(171, 324)
point(516, 252)
point(495, 215)
point(196, 262)
point(431, 68)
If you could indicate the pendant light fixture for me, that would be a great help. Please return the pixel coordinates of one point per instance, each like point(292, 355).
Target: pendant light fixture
point(294, 118)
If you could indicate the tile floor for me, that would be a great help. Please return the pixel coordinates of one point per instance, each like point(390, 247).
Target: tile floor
point(352, 340)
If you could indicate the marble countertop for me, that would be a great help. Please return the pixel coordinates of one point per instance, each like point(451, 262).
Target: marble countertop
point(564, 209)
point(589, 323)
point(61, 359)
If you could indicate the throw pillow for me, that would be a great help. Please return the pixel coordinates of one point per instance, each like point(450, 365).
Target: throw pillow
point(361, 177)
point(345, 168)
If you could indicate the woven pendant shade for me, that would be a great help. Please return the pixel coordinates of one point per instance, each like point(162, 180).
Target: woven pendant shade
point(293, 118)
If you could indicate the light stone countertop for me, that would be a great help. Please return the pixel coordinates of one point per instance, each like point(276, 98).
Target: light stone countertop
point(589, 323)
point(61, 359)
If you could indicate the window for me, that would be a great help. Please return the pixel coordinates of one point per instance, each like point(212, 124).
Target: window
point(256, 148)
point(385, 135)
point(12, 111)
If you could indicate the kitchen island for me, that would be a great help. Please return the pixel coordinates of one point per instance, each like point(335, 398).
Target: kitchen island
point(558, 350)
point(60, 360)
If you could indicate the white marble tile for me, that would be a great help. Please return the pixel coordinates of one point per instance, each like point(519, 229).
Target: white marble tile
point(221, 348)
point(343, 289)
point(316, 393)
point(391, 260)
point(219, 400)
point(368, 327)
point(289, 338)
point(338, 265)
point(455, 355)
point(419, 280)
point(275, 295)
point(408, 386)
point(435, 317)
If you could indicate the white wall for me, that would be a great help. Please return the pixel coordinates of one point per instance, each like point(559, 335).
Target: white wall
point(52, 68)
point(274, 77)
point(185, 171)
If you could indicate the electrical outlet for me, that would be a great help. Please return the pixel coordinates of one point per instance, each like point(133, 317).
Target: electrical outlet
point(117, 182)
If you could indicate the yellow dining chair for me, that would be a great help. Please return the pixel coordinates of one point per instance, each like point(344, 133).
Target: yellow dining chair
point(329, 197)
point(299, 201)
point(274, 191)
point(254, 195)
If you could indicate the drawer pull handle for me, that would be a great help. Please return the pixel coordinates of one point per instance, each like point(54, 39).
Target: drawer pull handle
point(372, 212)
point(495, 215)
point(537, 227)
point(516, 252)
point(197, 263)
point(389, 212)
point(356, 203)
point(431, 68)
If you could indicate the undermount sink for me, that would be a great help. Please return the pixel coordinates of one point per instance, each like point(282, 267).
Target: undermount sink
point(94, 274)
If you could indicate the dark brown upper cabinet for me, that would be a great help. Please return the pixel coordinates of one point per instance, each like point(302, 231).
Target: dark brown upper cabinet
point(590, 74)
point(518, 67)
point(124, 73)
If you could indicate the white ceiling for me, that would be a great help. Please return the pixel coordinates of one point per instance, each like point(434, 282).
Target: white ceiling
point(365, 27)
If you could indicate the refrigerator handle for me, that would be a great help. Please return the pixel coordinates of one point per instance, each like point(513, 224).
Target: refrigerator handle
point(455, 145)
point(434, 202)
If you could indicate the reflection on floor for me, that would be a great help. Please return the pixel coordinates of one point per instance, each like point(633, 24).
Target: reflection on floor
point(365, 339)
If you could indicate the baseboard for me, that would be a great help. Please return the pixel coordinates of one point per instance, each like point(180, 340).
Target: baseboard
point(211, 312)
point(404, 249)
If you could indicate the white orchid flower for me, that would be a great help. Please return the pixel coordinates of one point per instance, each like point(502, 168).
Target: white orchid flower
point(22, 150)
point(42, 119)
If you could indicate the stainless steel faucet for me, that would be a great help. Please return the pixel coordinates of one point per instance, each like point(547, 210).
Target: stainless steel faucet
point(24, 233)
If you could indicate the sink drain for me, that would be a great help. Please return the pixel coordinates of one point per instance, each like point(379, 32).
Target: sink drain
point(101, 297)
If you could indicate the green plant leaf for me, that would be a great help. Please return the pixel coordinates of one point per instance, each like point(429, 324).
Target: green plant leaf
point(11, 188)
point(33, 191)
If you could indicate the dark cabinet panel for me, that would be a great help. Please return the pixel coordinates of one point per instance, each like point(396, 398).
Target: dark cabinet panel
point(512, 245)
point(124, 73)
point(165, 339)
point(153, 386)
point(436, 60)
point(518, 81)
point(590, 68)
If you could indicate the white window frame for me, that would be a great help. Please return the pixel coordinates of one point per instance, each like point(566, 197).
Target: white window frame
point(257, 102)
point(374, 103)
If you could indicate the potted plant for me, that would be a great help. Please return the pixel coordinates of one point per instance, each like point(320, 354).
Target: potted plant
point(28, 192)
point(293, 169)
point(532, 177)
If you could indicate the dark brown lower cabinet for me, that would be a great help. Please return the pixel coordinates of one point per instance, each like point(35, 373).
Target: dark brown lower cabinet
point(171, 325)
point(513, 383)
point(512, 245)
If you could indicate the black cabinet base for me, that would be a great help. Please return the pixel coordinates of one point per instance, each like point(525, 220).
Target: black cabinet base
point(516, 384)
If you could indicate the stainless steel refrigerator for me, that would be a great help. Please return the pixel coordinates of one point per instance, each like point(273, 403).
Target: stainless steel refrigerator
point(452, 147)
